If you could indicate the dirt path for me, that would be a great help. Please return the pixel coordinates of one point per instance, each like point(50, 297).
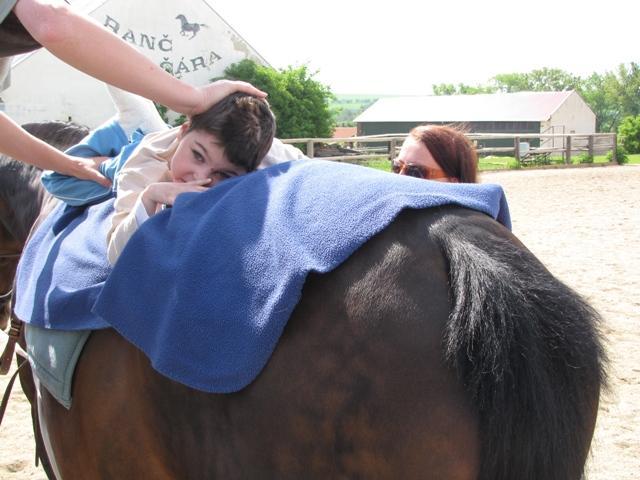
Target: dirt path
point(584, 224)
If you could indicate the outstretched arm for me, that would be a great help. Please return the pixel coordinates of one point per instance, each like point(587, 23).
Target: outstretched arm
point(19, 144)
point(84, 44)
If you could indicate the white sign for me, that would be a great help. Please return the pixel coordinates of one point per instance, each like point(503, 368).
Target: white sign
point(187, 38)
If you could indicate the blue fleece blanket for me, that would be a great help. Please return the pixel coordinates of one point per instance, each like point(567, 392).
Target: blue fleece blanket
point(205, 288)
point(63, 268)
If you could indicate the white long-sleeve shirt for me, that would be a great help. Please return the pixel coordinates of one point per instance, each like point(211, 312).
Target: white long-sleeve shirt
point(150, 163)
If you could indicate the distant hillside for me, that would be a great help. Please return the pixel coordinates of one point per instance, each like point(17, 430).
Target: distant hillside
point(347, 107)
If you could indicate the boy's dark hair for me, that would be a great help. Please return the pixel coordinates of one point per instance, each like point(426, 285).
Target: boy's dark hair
point(244, 125)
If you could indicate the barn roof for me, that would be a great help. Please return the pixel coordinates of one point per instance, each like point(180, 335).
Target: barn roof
point(498, 107)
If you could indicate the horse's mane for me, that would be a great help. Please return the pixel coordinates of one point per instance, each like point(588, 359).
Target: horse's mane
point(21, 193)
point(60, 135)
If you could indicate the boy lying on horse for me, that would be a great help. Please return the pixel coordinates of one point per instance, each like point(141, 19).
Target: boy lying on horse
point(26, 25)
point(152, 164)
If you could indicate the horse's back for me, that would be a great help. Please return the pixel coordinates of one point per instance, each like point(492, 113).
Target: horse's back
point(361, 384)
point(357, 387)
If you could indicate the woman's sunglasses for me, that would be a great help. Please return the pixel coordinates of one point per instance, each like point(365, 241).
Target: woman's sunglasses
point(417, 171)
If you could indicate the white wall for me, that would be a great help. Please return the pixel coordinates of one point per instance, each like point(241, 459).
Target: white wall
point(43, 88)
point(574, 115)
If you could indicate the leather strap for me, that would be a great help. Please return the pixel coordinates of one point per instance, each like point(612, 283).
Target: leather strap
point(7, 392)
point(14, 335)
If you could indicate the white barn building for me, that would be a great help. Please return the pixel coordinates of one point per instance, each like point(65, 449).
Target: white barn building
point(521, 112)
point(186, 37)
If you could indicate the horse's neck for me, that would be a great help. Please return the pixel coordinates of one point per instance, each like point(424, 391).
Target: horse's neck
point(20, 199)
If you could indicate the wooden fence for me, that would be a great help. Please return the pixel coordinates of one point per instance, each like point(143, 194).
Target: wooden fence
point(357, 149)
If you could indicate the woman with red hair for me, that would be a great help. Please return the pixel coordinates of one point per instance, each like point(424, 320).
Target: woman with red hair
point(436, 152)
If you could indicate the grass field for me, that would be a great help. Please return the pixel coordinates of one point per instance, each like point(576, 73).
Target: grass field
point(347, 107)
point(635, 159)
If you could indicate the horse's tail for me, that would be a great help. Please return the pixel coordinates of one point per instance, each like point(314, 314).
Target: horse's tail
point(528, 350)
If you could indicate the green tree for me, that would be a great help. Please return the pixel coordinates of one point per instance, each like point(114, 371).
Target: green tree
point(613, 95)
point(600, 93)
point(461, 89)
point(542, 80)
point(300, 103)
point(444, 89)
point(629, 134)
point(629, 88)
point(165, 114)
point(511, 82)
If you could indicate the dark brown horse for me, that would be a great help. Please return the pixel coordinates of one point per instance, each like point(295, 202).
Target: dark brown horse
point(14, 190)
point(21, 198)
point(14, 40)
point(441, 349)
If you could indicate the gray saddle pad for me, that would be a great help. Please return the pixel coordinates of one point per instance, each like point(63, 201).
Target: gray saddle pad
point(53, 355)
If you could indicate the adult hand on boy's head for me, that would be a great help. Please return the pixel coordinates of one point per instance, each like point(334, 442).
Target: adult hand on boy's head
point(216, 91)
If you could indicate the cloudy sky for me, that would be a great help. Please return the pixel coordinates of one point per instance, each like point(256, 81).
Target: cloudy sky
point(403, 47)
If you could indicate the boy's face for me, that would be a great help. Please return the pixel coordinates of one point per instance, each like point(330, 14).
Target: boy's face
point(200, 155)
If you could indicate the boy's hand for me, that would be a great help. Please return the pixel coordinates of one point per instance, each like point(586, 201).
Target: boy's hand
point(216, 91)
point(165, 193)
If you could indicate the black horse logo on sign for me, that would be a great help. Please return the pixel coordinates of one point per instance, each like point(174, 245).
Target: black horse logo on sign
point(189, 28)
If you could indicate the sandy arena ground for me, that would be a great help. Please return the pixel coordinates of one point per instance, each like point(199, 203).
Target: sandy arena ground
point(584, 224)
